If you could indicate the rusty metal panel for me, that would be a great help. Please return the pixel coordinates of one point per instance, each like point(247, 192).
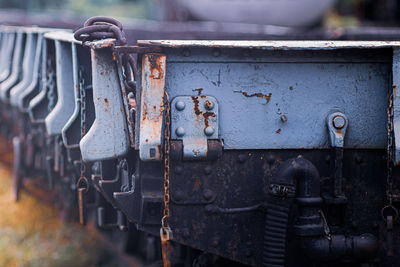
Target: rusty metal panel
point(151, 106)
point(280, 99)
point(108, 136)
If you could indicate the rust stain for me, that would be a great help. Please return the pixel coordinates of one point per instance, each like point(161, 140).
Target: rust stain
point(259, 95)
point(156, 70)
point(206, 116)
point(107, 104)
point(198, 90)
point(196, 109)
point(144, 113)
point(208, 104)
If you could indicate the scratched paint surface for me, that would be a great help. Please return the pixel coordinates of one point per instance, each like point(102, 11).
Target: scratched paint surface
point(284, 104)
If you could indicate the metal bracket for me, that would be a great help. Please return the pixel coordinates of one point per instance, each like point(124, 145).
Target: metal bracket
point(152, 107)
point(194, 120)
point(337, 125)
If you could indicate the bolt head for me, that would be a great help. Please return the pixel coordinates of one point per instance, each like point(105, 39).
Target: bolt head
point(131, 95)
point(216, 52)
point(209, 131)
point(208, 194)
point(180, 131)
point(209, 105)
point(186, 53)
point(339, 122)
point(180, 105)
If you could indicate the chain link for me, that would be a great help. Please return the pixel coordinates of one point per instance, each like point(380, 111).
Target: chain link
point(389, 161)
point(50, 84)
point(82, 182)
point(167, 137)
point(165, 231)
point(389, 212)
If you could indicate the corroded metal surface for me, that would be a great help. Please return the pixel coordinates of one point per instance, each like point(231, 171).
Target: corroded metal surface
point(108, 136)
point(151, 106)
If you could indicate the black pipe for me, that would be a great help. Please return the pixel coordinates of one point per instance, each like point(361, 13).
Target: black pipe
point(299, 177)
point(337, 247)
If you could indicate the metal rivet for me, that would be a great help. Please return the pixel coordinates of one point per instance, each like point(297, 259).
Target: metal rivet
point(180, 131)
point(216, 52)
point(339, 122)
point(186, 52)
point(178, 169)
point(180, 105)
point(207, 170)
point(249, 252)
point(208, 194)
point(242, 158)
point(178, 195)
point(271, 159)
point(185, 233)
point(131, 95)
point(208, 104)
point(283, 118)
point(215, 243)
point(209, 131)
point(246, 53)
point(328, 159)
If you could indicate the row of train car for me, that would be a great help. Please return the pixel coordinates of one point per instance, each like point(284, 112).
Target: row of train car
point(210, 153)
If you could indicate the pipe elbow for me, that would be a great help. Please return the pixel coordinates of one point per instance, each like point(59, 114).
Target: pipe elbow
point(300, 173)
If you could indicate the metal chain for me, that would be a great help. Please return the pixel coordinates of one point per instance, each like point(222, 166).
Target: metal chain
point(389, 161)
point(82, 92)
point(165, 231)
point(82, 182)
point(50, 84)
point(389, 210)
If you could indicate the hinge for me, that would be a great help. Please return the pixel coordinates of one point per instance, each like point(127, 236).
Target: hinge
point(194, 120)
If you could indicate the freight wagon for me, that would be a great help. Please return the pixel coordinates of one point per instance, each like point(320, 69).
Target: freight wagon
point(211, 153)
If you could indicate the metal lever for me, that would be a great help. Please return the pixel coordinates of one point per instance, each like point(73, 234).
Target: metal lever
point(337, 125)
point(64, 107)
point(108, 135)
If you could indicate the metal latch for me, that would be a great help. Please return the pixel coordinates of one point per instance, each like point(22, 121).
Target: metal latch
point(194, 120)
point(337, 125)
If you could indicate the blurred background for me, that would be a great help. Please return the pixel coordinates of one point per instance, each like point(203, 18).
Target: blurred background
point(347, 13)
point(321, 14)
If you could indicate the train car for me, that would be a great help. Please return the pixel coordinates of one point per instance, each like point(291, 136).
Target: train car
point(211, 153)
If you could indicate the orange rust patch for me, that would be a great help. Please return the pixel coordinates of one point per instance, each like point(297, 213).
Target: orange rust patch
point(196, 109)
point(156, 69)
point(107, 104)
point(206, 116)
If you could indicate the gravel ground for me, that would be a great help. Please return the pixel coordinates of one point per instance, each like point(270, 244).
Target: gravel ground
point(32, 233)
